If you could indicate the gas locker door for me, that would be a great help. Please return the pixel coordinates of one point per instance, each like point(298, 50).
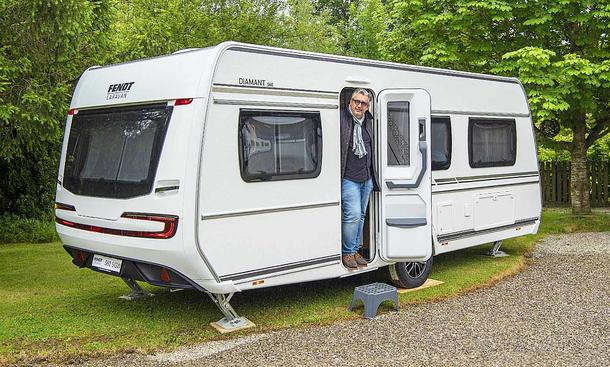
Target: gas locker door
point(405, 174)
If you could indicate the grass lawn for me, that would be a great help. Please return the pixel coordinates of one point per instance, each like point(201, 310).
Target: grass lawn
point(52, 311)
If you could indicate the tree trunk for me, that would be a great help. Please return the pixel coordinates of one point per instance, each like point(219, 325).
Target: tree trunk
point(579, 175)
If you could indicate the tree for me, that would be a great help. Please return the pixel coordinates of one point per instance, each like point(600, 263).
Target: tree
point(338, 15)
point(366, 24)
point(302, 28)
point(360, 24)
point(150, 27)
point(574, 91)
point(558, 48)
point(45, 47)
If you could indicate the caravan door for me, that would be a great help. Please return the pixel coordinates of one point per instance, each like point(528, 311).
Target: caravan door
point(405, 200)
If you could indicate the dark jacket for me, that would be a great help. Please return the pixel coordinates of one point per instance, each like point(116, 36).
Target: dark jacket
point(347, 130)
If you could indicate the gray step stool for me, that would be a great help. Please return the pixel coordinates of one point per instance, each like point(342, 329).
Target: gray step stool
point(372, 295)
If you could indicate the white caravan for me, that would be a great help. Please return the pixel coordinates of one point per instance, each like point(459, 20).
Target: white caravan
point(218, 169)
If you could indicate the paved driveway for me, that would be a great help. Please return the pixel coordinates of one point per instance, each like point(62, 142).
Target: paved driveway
point(557, 312)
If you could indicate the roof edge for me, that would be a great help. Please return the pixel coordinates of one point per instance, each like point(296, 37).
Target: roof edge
point(246, 47)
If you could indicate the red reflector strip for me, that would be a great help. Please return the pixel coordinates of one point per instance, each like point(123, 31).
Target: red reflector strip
point(170, 221)
point(183, 101)
point(65, 222)
point(65, 207)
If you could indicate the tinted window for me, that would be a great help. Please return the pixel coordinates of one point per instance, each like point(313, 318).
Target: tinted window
point(276, 145)
point(114, 153)
point(441, 143)
point(492, 142)
point(398, 134)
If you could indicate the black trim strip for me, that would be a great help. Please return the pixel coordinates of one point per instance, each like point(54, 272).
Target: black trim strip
point(265, 211)
point(478, 113)
point(136, 261)
point(375, 64)
point(472, 233)
point(273, 88)
point(242, 102)
point(278, 268)
point(124, 107)
point(452, 180)
point(483, 187)
point(271, 276)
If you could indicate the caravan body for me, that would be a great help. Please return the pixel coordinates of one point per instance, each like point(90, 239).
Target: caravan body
point(218, 169)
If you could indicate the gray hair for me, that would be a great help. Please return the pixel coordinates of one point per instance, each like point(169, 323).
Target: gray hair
point(362, 91)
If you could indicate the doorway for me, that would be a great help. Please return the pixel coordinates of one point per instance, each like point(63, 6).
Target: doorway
point(367, 244)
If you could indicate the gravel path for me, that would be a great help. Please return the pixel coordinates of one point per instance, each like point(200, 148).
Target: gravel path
point(557, 312)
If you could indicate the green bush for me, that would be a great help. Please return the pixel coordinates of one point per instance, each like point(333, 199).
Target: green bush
point(17, 230)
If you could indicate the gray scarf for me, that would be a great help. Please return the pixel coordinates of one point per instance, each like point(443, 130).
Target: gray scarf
point(358, 144)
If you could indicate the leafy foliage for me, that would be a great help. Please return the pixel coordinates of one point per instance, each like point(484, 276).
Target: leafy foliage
point(149, 27)
point(45, 48)
point(178, 24)
point(360, 24)
point(559, 85)
point(300, 29)
point(19, 230)
point(558, 49)
point(365, 29)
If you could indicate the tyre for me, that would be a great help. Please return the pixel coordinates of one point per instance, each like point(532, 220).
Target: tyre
point(410, 274)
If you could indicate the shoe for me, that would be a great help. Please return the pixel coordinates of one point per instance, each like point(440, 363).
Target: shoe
point(349, 261)
point(360, 260)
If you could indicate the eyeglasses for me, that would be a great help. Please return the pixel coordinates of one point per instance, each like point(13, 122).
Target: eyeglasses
point(358, 102)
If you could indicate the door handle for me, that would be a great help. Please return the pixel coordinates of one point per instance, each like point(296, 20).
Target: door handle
point(406, 222)
point(422, 129)
point(423, 149)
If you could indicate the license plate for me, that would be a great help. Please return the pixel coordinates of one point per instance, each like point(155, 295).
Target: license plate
point(107, 263)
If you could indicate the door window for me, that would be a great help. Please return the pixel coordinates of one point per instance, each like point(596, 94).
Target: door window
point(398, 134)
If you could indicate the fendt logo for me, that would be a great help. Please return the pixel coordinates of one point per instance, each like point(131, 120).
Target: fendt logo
point(118, 91)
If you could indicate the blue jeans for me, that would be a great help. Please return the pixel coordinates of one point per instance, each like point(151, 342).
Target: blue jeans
point(354, 200)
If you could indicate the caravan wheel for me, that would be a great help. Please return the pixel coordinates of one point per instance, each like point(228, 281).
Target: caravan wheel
point(410, 274)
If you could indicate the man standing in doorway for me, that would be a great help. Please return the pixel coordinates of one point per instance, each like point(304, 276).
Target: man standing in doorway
point(357, 174)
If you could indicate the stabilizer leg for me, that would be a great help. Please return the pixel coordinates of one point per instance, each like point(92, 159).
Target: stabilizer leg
point(495, 250)
point(232, 321)
point(136, 290)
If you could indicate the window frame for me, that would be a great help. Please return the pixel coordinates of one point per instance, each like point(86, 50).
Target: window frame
point(249, 178)
point(447, 121)
point(119, 189)
point(513, 128)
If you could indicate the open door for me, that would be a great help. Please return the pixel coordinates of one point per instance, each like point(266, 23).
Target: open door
point(404, 130)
